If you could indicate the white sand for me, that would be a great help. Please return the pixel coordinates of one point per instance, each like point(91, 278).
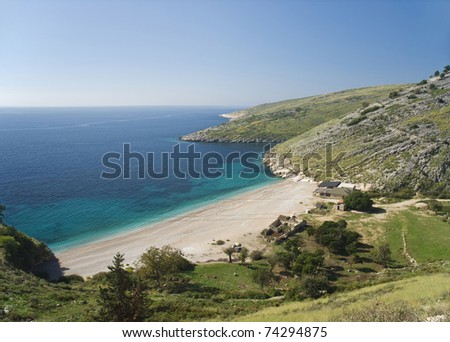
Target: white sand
point(237, 219)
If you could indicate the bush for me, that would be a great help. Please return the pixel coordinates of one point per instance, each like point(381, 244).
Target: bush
point(436, 73)
point(370, 109)
point(359, 201)
point(356, 120)
point(256, 255)
point(404, 193)
point(72, 278)
point(383, 254)
point(393, 95)
point(423, 82)
point(309, 287)
point(262, 277)
point(432, 87)
point(220, 242)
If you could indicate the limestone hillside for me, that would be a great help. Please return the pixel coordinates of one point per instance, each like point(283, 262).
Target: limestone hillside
point(280, 121)
point(398, 142)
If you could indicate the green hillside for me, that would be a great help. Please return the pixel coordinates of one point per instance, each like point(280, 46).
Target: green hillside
point(414, 299)
point(280, 121)
point(401, 142)
point(21, 251)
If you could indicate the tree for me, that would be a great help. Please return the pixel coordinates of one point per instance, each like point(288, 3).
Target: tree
point(447, 69)
point(383, 254)
point(315, 286)
point(286, 259)
point(262, 277)
point(272, 261)
point(335, 236)
point(160, 264)
point(2, 215)
point(229, 251)
point(123, 300)
point(310, 286)
point(436, 73)
point(243, 254)
point(308, 262)
point(359, 201)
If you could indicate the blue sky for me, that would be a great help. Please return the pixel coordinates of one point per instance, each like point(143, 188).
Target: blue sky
point(240, 53)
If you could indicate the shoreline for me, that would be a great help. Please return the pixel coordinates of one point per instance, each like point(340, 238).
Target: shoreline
point(239, 218)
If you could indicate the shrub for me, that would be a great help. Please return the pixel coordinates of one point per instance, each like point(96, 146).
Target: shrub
point(370, 109)
point(403, 193)
point(393, 95)
point(436, 73)
point(432, 87)
point(356, 120)
point(220, 242)
point(262, 277)
point(72, 278)
point(359, 201)
point(383, 254)
point(310, 230)
point(243, 254)
point(309, 287)
point(256, 255)
point(423, 82)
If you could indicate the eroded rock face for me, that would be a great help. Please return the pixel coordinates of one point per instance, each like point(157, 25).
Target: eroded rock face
point(401, 142)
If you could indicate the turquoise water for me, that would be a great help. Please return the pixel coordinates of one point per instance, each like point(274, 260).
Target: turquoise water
point(50, 169)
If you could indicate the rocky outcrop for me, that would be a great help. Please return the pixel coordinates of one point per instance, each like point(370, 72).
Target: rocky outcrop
point(400, 142)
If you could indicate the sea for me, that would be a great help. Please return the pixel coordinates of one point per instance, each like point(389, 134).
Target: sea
point(52, 160)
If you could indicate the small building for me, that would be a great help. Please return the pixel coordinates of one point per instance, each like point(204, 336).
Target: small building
point(329, 185)
point(336, 192)
point(340, 206)
point(347, 185)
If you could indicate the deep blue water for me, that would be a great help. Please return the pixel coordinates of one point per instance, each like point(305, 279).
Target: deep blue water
point(50, 166)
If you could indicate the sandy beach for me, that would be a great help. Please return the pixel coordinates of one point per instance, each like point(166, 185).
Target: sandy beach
point(238, 219)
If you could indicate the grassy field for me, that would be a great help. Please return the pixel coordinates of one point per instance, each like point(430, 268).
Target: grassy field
point(222, 276)
point(428, 237)
point(427, 295)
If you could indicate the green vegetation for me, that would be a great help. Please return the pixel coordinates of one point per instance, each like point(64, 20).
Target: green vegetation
point(428, 237)
point(123, 299)
point(286, 119)
point(359, 201)
point(400, 300)
point(162, 267)
point(22, 251)
point(337, 238)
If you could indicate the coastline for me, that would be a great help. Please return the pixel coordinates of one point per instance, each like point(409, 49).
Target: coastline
point(238, 218)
